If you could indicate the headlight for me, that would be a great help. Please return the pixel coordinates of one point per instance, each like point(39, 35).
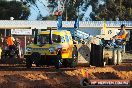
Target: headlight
point(51, 49)
point(28, 49)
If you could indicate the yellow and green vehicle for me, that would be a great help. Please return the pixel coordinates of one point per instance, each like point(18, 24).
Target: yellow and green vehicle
point(52, 47)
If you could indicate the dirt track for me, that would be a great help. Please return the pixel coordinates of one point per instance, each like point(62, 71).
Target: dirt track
point(48, 77)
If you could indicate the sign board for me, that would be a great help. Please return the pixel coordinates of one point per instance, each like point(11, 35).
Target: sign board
point(21, 31)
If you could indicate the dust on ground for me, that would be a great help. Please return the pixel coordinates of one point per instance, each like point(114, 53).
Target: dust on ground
point(18, 76)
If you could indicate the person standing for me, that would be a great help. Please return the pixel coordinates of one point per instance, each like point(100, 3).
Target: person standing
point(11, 42)
point(123, 36)
point(123, 33)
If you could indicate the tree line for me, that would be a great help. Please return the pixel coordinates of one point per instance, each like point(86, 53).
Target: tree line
point(13, 9)
point(109, 10)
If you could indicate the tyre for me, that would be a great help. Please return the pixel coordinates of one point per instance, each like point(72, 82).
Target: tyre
point(28, 63)
point(3, 59)
point(36, 57)
point(65, 63)
point(37, 64)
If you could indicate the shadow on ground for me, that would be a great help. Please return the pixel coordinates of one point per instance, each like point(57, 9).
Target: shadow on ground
point(106, 75)
point(123, 68)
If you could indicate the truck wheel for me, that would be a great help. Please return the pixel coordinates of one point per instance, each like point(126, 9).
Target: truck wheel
point(65, 63)
point(28, 63)
point(37, 64)
point(36, 57)
point(58, 62)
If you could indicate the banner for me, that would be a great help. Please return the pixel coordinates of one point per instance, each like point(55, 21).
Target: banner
point(21, 31)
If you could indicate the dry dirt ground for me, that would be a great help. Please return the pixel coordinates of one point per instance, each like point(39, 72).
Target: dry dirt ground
point(18, 76)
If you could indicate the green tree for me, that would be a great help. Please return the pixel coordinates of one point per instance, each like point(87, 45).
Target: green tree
point(111, 10)
point(13, 9)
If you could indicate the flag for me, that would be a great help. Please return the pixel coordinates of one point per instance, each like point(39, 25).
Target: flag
point(59, 22)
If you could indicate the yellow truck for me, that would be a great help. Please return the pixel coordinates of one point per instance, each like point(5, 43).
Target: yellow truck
point(52, 47)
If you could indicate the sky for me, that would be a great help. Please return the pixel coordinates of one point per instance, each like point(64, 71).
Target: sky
point(87, 13)
point(42, 5)
point(44, 10)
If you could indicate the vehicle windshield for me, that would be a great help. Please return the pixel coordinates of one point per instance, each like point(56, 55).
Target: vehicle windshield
point(45, 38)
